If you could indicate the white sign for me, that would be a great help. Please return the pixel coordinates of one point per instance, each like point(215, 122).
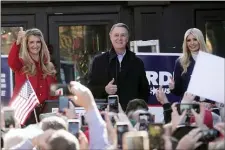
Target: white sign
point(207, 78)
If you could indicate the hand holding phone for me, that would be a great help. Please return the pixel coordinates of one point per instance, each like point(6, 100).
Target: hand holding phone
point(74, 126)
point(209, 135)
point(188, 107)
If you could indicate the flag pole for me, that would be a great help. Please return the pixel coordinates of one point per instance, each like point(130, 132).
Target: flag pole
point(35, 115)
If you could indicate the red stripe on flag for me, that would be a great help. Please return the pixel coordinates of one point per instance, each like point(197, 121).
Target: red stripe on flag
point(25, 102)
point(20, 106)
point(24, 109)
point(28, 112)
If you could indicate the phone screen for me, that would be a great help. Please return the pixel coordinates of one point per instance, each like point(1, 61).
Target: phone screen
point(144, 119)
point(155, 136)
point(9, 118)
point(147, 117)
point(113, 104)
point(188, 107)
point(121, 129)
point(74, 128)
point(63, 103)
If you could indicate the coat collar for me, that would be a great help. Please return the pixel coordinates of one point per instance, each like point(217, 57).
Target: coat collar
point(112, 53)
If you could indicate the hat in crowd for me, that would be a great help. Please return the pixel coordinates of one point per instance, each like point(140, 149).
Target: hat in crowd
point(208, 119)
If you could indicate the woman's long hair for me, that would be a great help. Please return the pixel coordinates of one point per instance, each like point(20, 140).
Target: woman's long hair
point(185, 57)
point(44, 56)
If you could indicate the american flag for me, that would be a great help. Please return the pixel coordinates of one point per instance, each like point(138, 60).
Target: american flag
point(25, 102)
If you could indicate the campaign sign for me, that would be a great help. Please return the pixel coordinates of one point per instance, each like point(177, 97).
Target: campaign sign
point(159, 68)
point(6, 80)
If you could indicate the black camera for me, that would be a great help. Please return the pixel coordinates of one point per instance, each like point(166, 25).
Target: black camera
point(209, 135)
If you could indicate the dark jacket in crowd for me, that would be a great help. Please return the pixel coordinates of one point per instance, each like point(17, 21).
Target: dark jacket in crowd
point(130, 77)
point(182, 80)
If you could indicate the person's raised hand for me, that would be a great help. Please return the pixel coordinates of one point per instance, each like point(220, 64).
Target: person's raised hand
point(199, 118)
point(188, 98)
point(161, 96)
point(191, 140)
point(177, 119)
point(82, 96)
point(20, 36)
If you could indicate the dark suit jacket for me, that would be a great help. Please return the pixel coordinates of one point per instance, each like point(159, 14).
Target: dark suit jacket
point(130, 78)
point(182, 81)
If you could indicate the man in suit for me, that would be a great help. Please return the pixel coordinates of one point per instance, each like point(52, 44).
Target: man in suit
point(118, 71)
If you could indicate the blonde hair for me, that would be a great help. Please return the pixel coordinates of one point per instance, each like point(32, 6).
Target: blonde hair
point(29, 65)
point(185, 57)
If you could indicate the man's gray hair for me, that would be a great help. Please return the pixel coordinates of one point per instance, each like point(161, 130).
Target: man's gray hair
point(119, 25)
point(54, 122)
point(63, 140)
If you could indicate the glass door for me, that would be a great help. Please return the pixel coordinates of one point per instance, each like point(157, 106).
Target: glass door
point(75, 41)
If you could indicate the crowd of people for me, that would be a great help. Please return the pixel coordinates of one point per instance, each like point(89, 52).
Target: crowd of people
point(193, 123)
point(201, 131)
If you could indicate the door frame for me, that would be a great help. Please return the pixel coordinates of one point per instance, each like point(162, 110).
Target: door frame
point(201, 16)
point(26, 21)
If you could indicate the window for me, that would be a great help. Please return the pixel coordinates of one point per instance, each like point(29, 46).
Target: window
point(215, 35)
point(8, 35)
point(77, 45)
